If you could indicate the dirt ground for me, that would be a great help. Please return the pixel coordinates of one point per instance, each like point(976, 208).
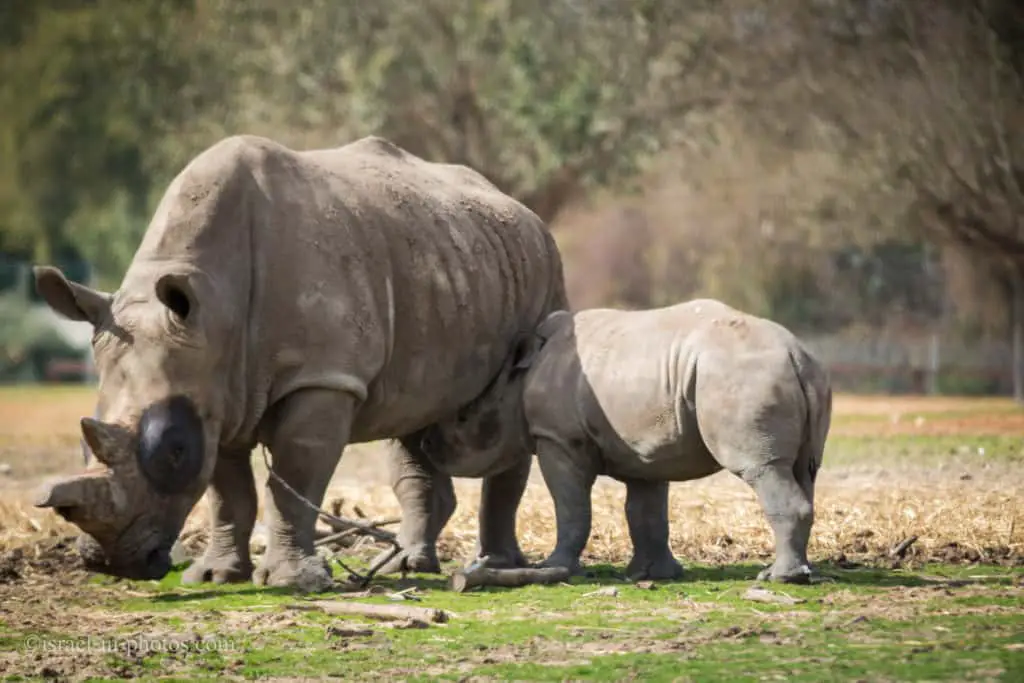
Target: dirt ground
point(863, 506)
point(960, 506)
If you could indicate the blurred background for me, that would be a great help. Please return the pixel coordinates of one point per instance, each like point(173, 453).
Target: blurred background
point(852, 169)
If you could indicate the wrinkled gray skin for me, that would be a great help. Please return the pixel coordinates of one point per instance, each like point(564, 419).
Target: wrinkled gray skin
point(650, 397)
point(305, 301)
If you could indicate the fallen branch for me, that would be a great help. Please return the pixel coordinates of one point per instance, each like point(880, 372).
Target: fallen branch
point(336, 523)
point(387, 612)
point(902, 547)
point(341, 534)
point(476, 575)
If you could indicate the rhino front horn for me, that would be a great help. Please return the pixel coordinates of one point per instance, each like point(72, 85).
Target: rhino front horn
point(108, 442)
point(67, 493)
point(84, 497)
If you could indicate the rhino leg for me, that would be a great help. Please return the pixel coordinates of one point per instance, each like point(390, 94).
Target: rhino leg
point(791, 514)
point(427, 499)
point(232, 499)
point(569, 479)
point(306, 433)
point(647, 517)
point(498, 506)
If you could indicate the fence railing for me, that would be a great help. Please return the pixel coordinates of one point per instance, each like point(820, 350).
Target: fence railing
point(915, 365)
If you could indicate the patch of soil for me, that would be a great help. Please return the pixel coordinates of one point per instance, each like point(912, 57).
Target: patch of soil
point(56, 558)
point(1005, 424)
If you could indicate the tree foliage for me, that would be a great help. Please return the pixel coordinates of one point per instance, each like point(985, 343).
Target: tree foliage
point(810, 160)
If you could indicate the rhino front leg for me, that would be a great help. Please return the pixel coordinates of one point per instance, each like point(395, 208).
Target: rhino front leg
point(306, 434)
point(427, 499)
point(791, 514)
point(569, 479)
point(232, 498)
point(499, 504)
point(647, 517)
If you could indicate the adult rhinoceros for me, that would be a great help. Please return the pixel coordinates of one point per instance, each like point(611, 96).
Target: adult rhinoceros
point(305, 301)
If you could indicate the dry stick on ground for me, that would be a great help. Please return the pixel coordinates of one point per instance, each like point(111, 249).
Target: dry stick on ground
point(342, 523)
point(902, 547)
point(478, 574)
point(389, 612)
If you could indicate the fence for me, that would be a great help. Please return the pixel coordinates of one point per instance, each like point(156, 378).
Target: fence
point(932, 364)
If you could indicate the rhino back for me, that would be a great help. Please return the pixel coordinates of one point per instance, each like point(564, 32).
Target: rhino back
point(402, 279)
point(633, 381)
point(360, 268)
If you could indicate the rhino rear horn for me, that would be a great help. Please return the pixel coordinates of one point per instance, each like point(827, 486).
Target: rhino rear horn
point(109, 443)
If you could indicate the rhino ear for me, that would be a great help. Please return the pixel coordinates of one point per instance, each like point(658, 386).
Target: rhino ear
point(175, 292)
point(70, 299)
point(524, 353)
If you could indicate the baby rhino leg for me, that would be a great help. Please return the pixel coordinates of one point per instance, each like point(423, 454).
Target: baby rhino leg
point(791, 514)
point(647, 517)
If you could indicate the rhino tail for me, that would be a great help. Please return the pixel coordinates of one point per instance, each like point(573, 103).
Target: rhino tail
point(817, 393)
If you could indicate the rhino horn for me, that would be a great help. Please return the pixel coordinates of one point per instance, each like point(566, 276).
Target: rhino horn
point(85, 496)
point(109, 443)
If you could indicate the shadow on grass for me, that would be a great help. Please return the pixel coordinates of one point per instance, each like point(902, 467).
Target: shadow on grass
point(826, 573)
point(195, 595)
point(593, 575)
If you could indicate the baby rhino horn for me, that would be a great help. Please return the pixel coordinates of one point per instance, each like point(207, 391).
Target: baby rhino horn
point(109, 443)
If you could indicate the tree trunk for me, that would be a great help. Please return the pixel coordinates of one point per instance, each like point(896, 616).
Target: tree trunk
point(1017, 322)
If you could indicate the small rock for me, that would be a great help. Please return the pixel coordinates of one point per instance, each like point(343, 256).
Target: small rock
point(347, 631)
point(645, 585)
point(965, 477)
point(610, 591)
point(407, 623)
point(765, 595)
point(5, 468)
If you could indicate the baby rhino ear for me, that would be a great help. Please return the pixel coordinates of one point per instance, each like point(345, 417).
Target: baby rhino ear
point(70, 299)
point(525, 351)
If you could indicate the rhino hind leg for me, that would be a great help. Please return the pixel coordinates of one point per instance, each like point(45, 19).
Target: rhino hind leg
point(570, 480)
point(232, 500)
point(647, 518)
point(790, 513)
point(306, 434)
point(501, 495)
point(427, 499)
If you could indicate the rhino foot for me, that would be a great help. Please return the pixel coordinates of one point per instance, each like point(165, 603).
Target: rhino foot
point(309, 574)
point(218, 569)
point(557, 559)
point(800, 574)
point(665, 568)
point(418, 559)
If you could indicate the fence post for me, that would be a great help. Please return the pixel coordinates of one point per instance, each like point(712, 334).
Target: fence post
point(934, 362)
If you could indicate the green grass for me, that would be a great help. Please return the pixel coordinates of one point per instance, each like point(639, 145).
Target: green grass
point(910, 448)
point(936, 623)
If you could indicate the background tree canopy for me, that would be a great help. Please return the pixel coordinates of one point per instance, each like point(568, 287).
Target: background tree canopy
point(835, 165)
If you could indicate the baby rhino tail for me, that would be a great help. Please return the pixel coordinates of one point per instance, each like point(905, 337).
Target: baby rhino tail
point(817, 389)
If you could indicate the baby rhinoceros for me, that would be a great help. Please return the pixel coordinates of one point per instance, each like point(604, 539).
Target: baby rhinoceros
point(654, 396)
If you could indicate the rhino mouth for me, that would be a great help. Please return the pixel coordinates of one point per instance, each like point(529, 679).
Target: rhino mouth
point(151, 562)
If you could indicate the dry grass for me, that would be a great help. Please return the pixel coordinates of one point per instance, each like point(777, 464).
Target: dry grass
point(862, 510)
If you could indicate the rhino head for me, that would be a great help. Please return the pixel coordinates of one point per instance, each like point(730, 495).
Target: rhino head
point(154, 434)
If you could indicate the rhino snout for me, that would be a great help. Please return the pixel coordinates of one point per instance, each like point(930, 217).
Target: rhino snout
point(171, 444)
point(150, 563)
